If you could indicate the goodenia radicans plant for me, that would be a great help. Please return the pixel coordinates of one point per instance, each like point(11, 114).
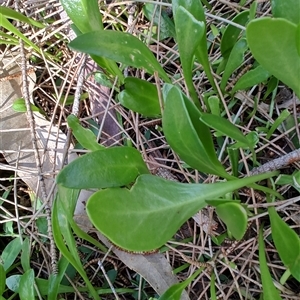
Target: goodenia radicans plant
point(152, 208)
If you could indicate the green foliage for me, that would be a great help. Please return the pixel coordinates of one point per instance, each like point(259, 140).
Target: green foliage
point(140, 96)
point(273, 44)
point(269, 290)
point(121, 47)
point(103, 168)
point(153, 209)
point(187, 135)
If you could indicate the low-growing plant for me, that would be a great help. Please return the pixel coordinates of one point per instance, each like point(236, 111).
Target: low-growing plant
point(159, 206)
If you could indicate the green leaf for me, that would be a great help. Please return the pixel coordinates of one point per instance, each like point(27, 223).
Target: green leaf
point(232, 33)
point(196, 9)
point(187, 135)
point(20, 106)
point(7, 25)
point(251, 78)
point(174, 292)
point(2, 279)
point(284, 237)
point(269, 290)
point(120, 47)
point(160, 19)
point(149, 214)
point(103, 168)
point(268, 38)
point(65, 242)
point(26, 287)
point(224, 126)
point(25, 255)
point(187, 45)
point(140, 96)
point(10, 252)
point(287, 9)
point(235, 60)
point(12, 14)
point(84, 14)
point(235, 217)
point(84, 136)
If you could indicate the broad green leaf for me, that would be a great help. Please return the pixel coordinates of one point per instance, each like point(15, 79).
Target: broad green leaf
point(8, 25)
point(235, 60)
point(214, 105)
point(85, 14)
point(235, 217)
point(12, 14)
point(232, 33)
point(25, 255)
point(103, 168)
point(149, 214)
point(140, 96)
point(20, 106)
point(267, 39)
point(174, 292)
point(269, 290)
point(287, 9)
point(84, 136)
point(2, 279)
point(120, 47)
point(65, 242)
point(160, 19)
point(187, 45)
point(187, 135)
point(284, 237)
point(196, 9)
point(224, 126)
point(10, 252)
point(251, 78)
point(26, 287)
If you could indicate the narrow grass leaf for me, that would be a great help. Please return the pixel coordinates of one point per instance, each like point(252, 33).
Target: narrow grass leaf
point(225, 127)
point(267, 39)
point(62, 235)
point(235, 217)
point(187, 135)
point(174, 292)
point(287, 243)
point(103, 168)
point(120, 47)
point(269, 290)
point(140, 96)
point(26, 287)
point(153, 209)
point(12, 14)
point(10, 252)
point(84, 136)
point(235, 60)
point(187, 45)
point(281, 118)
point(25, 255)
point(7, 25)
point(288, 9)
point(251, 78)
point(232, 33)
point(2, 279)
